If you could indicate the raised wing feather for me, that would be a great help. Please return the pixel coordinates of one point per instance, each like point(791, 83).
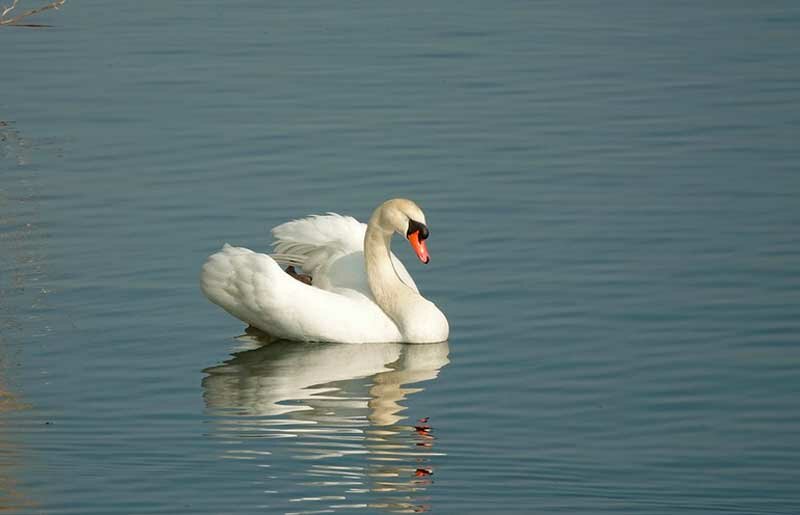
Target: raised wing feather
point(311, 241)
point(331, 248)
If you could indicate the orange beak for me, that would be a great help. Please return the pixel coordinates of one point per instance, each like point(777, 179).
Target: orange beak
point(419, 247)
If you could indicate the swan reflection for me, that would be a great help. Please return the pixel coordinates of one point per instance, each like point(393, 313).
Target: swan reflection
point(332, 414)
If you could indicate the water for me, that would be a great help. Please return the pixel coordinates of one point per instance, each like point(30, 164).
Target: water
point(612, 193)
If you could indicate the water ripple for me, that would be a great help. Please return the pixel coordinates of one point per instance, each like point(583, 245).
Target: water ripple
point(332, 413)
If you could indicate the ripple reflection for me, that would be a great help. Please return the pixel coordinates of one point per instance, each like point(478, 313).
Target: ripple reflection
point(332, 415)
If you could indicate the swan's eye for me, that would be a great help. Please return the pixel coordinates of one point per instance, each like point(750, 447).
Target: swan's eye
point(414, 226)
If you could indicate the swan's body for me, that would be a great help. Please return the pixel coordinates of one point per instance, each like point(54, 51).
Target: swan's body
point(361, 292)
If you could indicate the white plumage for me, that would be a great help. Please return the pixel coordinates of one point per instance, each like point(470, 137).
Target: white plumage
point(341, 305)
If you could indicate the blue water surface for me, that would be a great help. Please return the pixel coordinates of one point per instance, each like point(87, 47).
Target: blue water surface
point(612, 193)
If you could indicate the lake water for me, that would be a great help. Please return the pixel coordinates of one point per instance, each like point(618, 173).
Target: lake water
point(612, 192)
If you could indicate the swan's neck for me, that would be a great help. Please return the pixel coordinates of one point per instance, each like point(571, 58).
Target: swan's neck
point(390, 292)
point(418, 320)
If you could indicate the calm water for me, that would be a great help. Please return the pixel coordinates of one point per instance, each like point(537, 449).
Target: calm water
point(612, 193)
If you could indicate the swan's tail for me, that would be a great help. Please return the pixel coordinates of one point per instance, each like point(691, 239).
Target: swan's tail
point(238, 280)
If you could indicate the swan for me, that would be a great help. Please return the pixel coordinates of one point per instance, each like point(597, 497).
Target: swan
point(358, 291)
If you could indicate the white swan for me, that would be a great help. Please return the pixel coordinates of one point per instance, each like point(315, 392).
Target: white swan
point(360, 291)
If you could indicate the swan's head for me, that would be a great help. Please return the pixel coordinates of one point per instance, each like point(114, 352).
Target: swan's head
point(405, 218)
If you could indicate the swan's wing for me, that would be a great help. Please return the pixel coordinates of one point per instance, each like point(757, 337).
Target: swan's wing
point(312, 241)
point(330, 248)
point(253, 288)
